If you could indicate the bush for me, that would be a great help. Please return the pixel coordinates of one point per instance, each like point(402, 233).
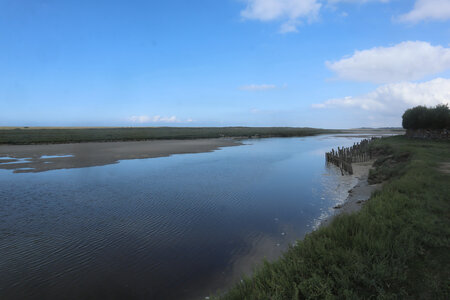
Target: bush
point(422, 117)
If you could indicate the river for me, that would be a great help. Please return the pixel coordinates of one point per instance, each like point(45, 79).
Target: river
point(177, 227)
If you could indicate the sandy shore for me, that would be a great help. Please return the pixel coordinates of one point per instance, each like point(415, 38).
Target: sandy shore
point(359, 194)
point(39, 158)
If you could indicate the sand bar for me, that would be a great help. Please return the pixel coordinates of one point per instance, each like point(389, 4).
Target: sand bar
point(40, 158)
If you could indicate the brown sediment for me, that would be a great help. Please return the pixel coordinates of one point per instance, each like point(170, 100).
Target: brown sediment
point(359, 194)
point(29, 158)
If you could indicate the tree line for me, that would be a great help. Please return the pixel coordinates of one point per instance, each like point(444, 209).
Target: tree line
point(422, 117)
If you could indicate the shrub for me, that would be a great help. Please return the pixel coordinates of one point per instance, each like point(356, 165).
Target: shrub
point(422, 117)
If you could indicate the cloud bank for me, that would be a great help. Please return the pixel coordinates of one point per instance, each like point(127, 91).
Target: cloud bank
point(427, 10)
point(397, 97)
point(405, 61)
point(289, 11)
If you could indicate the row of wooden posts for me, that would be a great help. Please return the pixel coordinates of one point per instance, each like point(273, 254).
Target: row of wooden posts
point(344, 157)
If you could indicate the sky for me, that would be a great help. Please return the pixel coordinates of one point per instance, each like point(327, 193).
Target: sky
point(302, 63)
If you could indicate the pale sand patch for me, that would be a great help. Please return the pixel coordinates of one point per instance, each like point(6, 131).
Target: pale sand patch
point(29, 158)
point(359, 194)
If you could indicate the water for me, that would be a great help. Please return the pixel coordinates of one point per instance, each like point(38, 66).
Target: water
point(55, 156)
point(177, 227)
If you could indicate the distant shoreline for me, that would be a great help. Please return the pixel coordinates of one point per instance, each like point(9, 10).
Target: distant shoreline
point(57, 135)
point(40, 157)
point(65, 135)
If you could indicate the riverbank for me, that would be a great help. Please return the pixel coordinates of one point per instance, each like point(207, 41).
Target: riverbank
point(38, 150)
point(40, 158)
point(358, 194)
point(62, 135)
point(396, 246)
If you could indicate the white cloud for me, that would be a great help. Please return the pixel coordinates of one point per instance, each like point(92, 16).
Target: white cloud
point(357, 1)
point(288, 11)
point(395, 98)
point(258, 87)
point(290, 26)
point(427, 10)
point(405, 61)
point(154, 119)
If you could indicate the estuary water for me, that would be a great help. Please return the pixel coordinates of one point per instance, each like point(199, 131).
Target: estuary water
point(179, 227)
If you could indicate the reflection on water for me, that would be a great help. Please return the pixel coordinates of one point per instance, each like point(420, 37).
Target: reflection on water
point(6, 160)
point(20, 165)
point(163, 228)
point(55, 156)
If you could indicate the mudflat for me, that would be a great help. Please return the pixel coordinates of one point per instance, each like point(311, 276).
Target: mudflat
point(359, 194)
point(362, 191)
point(39, 158)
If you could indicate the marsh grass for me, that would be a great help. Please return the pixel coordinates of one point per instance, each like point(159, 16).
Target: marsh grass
point(396, 247)
point(78, 135)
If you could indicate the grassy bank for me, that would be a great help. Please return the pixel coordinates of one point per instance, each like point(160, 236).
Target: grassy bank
point(396, 247)
point(78, 135)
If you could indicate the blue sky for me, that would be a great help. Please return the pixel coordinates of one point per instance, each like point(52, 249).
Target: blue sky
point(315, 63)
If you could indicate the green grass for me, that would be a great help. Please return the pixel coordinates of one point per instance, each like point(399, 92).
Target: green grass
point(396, 247)
point(77, 135)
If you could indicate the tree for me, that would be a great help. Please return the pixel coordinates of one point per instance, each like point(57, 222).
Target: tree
point(422, 117)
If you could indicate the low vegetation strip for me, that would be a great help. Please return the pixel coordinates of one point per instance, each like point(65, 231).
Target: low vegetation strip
point(77, 135)
point(396, 247)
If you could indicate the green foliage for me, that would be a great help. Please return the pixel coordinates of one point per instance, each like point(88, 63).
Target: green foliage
point(77, 135)
point(421, 117)
point(396, 247)
point(390, 164)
